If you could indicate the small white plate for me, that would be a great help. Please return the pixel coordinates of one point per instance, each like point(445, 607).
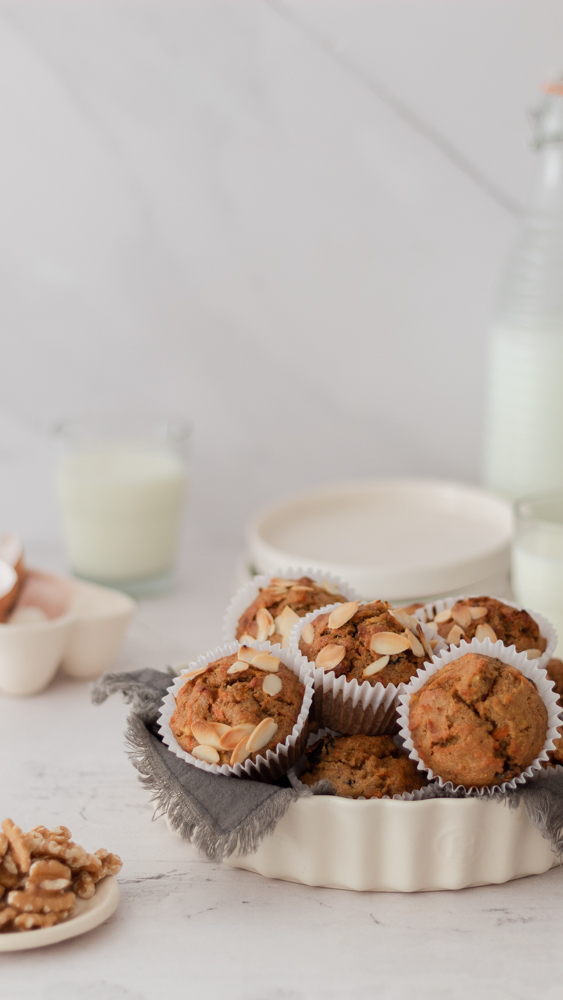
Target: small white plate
point(88, 914)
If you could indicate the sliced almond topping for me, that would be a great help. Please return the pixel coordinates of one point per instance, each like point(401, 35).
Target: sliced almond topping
point(376, 666)
point(432, 626)
point(284, 624)
point(246, 653)
point(272, 685)
point(246, 639)
point(342, 614)
point(404, 619)
point(238, 667)
point(533, 654)
point(308, 634)
point(265, 661)
point(388, 643)
point(416, 645)
point(240, 752)
point(209, 733)
point(434, 643)
point(329, 587)
point(231, 739)
point(264, 732)
point(485, 632)
point(280, 581)
point(330, 656)
point(461, 616)
point(477, 613)
point(193, 673)
point(265, 624)
point(455, 635)
point(206, 753)
point(443, 616)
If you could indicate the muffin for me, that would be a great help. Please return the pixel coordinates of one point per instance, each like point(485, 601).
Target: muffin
point(477, 722)
point(278, 606)
point(373, 642)
point(362, 766)
point(237, 707)
point(554, 670)
point(486, 618)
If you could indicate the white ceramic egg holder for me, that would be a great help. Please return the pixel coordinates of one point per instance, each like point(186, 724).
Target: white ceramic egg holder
point(83, 631)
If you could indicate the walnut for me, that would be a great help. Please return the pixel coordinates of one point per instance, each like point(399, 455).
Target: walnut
point(30, 921)
point(84, 885)
point(18, 847)
point(50, 875)
point(111, 863)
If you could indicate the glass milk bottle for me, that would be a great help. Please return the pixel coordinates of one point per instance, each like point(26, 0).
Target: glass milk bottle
point(524, 429)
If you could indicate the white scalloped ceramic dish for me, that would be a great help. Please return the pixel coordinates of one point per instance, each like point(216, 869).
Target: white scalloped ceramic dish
point(391, 846)
point(84, 629)
point(88, 913)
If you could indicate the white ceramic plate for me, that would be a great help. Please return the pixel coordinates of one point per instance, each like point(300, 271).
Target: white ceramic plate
point(391, 538)
point(89, 913)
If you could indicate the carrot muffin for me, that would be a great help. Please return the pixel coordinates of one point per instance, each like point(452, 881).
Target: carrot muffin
point(368, 766)
point(477, 722)
point(371, 642)
point(554, 670)
point(237, 707)
point(487, 618)
point(278, 606)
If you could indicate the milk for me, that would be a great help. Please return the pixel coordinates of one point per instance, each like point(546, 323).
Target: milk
point(121, 510)
point(537, 574)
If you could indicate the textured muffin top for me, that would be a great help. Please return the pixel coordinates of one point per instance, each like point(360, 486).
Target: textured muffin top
point(368, 766)
point(277, 608)
point(478, 721)
point(554, 671)
point(236, 697)
point(376, 643)
point(485, 617)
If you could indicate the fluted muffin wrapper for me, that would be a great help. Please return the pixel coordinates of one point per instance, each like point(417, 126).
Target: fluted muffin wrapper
point(249, 592)
point(276, 762)
point(347, 706)
point(295, 782)
point(547, 631)
point(507, 654)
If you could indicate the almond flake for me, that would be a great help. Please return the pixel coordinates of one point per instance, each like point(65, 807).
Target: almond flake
point(239, 666)
point(376, 666)
point(455, 635)
point(342, 614)
point(388, 643)
point(478, 612)
point(434, 643)
point(265, 661)
point(461, 616)
point(231, 740)
point(280, 581)
point(533, 654)
point(246, 639)
point(272, 685)
point(265, 624)
point(403, 617)
point(330, 656)
point(284, 624)
point(193, 673)
point(485, 632)
point(432, 627)
point(240, 752)
point(262, 735)
point(206, 753)
point(416, 645)
point(246, 653)
point(209, 733)
point(329, 587)
point(308, 634)
point(443, 616)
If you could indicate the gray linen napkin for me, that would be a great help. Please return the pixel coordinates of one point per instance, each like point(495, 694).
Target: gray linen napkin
point(222, 815)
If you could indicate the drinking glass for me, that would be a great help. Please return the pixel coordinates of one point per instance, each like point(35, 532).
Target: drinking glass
point(537, 556)
point(121, 483)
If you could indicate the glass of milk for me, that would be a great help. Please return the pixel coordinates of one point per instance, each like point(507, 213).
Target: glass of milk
point(121, 483)
point(537, 557)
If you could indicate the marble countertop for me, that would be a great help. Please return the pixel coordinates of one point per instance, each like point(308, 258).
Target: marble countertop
point(185, 924)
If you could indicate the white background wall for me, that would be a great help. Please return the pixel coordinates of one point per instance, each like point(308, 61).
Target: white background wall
point(283, 218)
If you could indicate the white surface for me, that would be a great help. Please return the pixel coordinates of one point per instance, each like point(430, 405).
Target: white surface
point(400, 846)
point(398, 538)
point(192, 194)
point(88, 913)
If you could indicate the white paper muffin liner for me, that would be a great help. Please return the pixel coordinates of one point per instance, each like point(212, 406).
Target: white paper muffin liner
point(276, 762)
point(507, 654)
point(547, 631)
point(294, 779)
point(348, 706)
point(249, 592)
